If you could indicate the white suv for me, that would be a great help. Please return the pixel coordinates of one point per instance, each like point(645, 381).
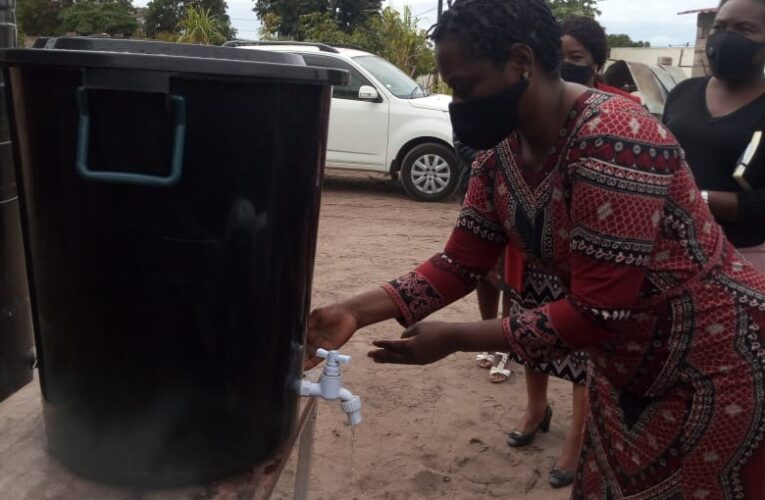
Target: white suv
point(383, 121)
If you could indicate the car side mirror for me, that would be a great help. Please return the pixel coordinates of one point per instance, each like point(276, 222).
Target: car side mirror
point(368, 93)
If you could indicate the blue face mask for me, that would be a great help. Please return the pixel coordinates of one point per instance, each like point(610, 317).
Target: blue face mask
point(483, 123)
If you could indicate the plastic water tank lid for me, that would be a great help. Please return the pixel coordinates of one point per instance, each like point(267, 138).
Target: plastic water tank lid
point(113, 53)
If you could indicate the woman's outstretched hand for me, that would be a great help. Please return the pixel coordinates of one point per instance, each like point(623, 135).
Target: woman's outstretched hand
point(420, 344)
point(328, 328)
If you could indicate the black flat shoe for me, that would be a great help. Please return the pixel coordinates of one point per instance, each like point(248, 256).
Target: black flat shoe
point(518, 439)
point(560, 478)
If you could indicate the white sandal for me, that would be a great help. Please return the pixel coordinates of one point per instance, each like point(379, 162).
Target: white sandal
point(485, 360)
point(501, 370)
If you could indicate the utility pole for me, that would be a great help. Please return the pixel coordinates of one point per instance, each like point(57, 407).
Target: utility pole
point(438, 20)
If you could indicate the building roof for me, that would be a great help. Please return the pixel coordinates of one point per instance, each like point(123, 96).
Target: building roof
point(710, 10)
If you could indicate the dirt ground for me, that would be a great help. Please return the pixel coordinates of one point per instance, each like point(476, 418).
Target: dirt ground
point(428, 432)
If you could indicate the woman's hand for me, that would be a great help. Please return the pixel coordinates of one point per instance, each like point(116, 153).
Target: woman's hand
point(328, 328)
point(421, 344)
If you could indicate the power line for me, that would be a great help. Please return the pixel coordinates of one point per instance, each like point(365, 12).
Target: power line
point(425, 12)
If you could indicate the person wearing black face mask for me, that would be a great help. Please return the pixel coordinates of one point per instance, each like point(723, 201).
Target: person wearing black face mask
point(597, 192)
point(585, 50)
point(715, 119)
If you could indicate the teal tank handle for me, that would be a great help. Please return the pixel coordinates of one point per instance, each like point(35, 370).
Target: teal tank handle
point(176, 162)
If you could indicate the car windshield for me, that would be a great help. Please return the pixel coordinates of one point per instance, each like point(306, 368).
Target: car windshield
point(396, 81)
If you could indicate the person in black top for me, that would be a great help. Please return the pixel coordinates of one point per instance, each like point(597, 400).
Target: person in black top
point(714, 119)
point(466, 156)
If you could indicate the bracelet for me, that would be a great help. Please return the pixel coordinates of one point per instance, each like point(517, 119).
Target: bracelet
point(705, 196)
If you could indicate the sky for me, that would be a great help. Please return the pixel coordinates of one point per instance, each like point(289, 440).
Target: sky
point(653, 20)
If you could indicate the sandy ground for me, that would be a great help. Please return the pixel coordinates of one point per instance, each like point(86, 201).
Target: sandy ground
point(428, 432)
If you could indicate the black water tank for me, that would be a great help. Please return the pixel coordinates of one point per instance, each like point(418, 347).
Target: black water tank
point(15, 319)
point(170, 201)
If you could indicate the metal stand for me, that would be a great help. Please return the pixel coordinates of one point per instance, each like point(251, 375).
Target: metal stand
point(268, 474)
point(33, 473)
point(305, 452)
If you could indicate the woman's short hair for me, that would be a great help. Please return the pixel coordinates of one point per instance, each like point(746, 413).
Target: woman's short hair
point(590, 34)
point(487, 29)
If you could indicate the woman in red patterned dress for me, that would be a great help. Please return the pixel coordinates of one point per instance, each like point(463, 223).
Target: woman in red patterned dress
point(596, 190)
point(584, 50)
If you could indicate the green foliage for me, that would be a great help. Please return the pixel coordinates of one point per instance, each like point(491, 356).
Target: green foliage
point(217, 10)
point(92, 17)
point(401, 42)
point(350, 15)
point(164, 36)
point(21, 38)
point(563, 8)
point(40, 17)
point(165, 16)
point(202, 27)
point(269, 26)
point(441, 87)
point(282, 18)
point(625, 41)
point(162, 16)
point(391, 35)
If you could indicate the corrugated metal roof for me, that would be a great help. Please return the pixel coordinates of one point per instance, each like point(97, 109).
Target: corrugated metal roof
point(710, 10)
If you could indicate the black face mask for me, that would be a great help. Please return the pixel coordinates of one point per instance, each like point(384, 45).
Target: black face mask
point(483, 123)
point(732, 56)
point(576, 73)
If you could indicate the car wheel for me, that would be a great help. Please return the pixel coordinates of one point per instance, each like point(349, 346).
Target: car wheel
point(430, 172)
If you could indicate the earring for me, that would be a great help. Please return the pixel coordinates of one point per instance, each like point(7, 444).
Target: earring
point(525, 75)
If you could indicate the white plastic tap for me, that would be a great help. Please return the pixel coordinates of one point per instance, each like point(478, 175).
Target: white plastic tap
point(330, 386)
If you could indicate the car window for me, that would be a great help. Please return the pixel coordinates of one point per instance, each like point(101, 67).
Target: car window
point(350, 91)
point(396, 81)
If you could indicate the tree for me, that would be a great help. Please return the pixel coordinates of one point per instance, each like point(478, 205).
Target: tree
point(321, 27)
point(284, 16)
point(563, 8)
point(165, 16)
point(395, 36)
point(92, 17)
point(270, 24)
point(40, 17)
point(392, 35)
point(625, 41)
point(352, 14)
point(201, 26)
point(217, 9)
point(162, 16)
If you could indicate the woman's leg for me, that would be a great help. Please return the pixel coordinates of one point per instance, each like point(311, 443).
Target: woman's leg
point(536, 402)
point(488, 305)
point(501, 370)
point(569, 453)
point(488, 299)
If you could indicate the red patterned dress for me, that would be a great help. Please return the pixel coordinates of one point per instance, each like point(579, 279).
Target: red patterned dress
point(669, 313)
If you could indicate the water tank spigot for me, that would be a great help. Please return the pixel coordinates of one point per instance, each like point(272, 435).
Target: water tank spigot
point(334, 358)
point(330, 385)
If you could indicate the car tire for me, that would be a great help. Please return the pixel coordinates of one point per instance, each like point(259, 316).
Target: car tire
point(430, 172)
